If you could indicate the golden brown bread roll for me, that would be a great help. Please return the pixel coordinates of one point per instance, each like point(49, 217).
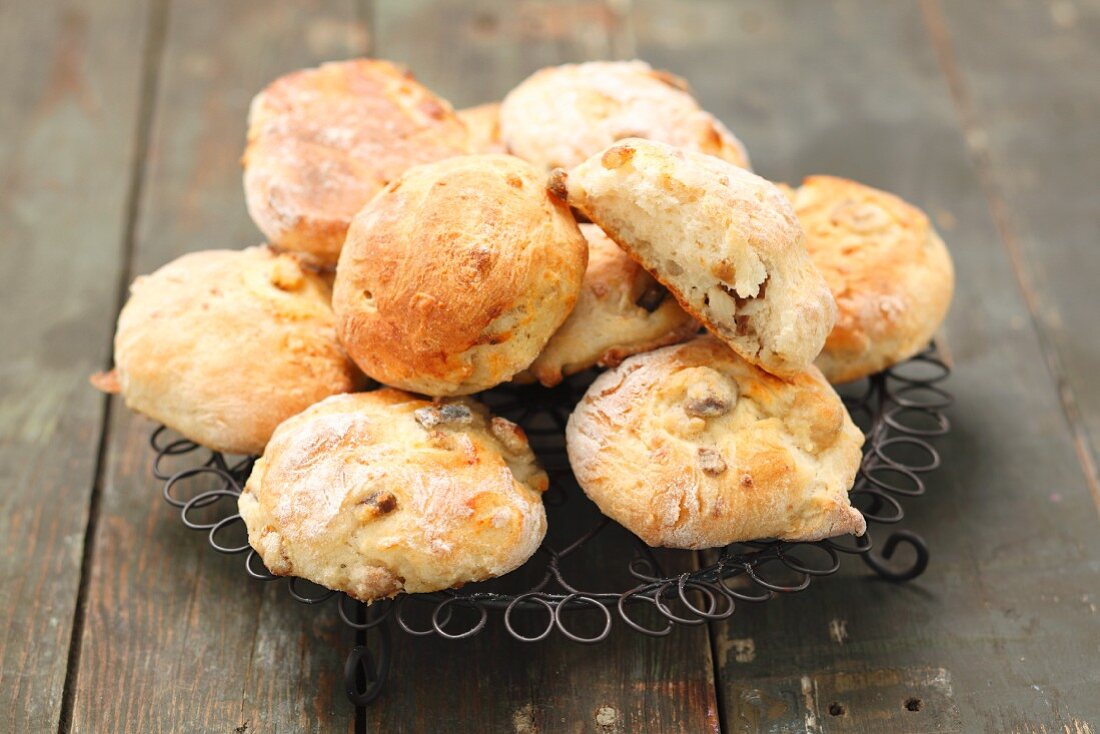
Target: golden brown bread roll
point(561, 115)
point(889, 271)
point(456, 275)
point(724, 241)
point(381, 492)
point(223, 346)
point(323, 141)
point(621, 311)
point(691, 446)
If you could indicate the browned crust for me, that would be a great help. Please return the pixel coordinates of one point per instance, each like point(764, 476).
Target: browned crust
point(457, 274)
point(890, 274)
point(106, 382)
point(323, 141)
point(224, 345)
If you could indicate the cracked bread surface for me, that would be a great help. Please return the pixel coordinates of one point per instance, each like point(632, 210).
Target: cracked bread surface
point(724, 241)
point(383, 492)
point(457, 274)
point(690, 446)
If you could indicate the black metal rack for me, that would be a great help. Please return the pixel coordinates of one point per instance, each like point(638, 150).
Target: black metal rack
point(900, 411)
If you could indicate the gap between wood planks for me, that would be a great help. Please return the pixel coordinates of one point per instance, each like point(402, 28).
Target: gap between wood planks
point(151, 56)
point(621, 45)
point(364, 13)
point(940, 34)
point(712, 638)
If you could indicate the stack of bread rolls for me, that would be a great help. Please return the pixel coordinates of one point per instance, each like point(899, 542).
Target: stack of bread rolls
point(596, 217)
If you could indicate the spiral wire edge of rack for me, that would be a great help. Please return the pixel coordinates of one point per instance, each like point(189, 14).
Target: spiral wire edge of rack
point(901, 410)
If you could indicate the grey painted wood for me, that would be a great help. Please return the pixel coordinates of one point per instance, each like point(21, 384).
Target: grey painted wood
point(70, 80)
point(476, 51)
point(1002, 632)
point(969, 114)
point(177, 637)
point(1026, 87)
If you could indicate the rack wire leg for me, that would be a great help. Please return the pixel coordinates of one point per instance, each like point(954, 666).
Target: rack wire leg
point(365, 673)
point(891, 572)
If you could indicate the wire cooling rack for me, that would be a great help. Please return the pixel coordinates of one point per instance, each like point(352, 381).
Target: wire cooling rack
point(900, 411)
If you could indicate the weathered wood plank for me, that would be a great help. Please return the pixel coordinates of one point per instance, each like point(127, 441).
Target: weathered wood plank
point(70, 80)
point(177, 637)
point(1026, 83)
point(1000, 633)
point(626, 683)
point(473, 52)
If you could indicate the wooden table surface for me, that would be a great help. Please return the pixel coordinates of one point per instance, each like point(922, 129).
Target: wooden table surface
point(123, 122)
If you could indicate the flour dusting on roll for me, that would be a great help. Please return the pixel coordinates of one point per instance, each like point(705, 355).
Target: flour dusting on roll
point(379, 493)
point(690, 446)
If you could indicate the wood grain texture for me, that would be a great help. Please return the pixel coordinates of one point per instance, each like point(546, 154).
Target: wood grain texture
point(177, 638)
point(627, 683)
point(985, 120)
point(1001, 631)
point(70, 79)
point(475, 52)
point(1029, 111)
point(472, 52)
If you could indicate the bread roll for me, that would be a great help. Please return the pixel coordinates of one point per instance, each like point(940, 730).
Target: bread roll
point(323, 141)
point(563, 114)
point(724, 241)
point(456, 275)
point(483, 122)
point(378, 493)
point(691, 446)
point(889, 271)
point(621, 311)
point(222, 346)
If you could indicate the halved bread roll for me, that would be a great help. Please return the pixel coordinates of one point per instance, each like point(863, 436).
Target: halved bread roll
point(725, 241)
